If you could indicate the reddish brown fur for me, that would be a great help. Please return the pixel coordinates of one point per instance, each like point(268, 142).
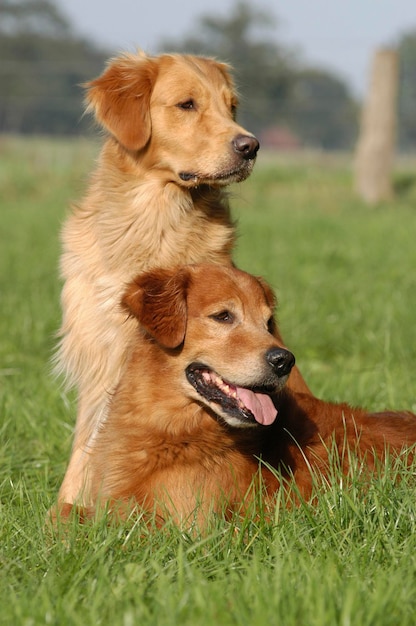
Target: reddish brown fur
point(140, 213)
point(162, 447)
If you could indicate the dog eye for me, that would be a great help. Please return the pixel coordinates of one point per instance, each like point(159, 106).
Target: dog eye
point(225, 317)
point(271, 325)
point(187, 105)
point(234, 111)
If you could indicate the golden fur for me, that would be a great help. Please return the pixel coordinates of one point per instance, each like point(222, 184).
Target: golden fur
point(155, 200)
point(170, 449)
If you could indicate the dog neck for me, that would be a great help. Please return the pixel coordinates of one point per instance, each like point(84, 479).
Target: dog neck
point(149, 202)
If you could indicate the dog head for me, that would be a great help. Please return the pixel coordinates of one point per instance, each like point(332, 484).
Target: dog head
point(216, 325)
point(152, 105)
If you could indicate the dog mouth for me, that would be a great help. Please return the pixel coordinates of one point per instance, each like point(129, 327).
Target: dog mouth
point(225, 177)
point(249, 406)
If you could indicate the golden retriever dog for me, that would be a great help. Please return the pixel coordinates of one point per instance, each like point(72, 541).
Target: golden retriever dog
point(156, 199)
point(203, 405)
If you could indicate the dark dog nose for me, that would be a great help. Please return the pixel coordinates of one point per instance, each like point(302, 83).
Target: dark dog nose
point(280, 360)
point(246, 145)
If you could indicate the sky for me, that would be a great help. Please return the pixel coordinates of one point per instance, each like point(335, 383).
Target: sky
point(337, 35)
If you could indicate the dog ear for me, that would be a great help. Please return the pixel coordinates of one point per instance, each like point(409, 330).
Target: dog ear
point(268, 292)
point(120, 99)
point(158, 300)
point(272, 302)
point(225, 70)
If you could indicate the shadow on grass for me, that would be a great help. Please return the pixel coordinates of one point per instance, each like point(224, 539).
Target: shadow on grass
point(404, 183)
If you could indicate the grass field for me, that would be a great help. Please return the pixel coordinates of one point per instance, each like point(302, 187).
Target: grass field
point(346, 280)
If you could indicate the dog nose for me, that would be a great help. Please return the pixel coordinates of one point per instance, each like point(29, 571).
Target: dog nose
point(280, 360)
point(246, 145)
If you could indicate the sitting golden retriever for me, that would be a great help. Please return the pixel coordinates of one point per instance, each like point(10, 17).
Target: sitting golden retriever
point(203, 398)
point(156, 199)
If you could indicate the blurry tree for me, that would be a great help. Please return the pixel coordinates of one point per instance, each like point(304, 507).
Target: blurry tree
point(34, 16)
point(322, 111)
point(42, 65)
point(276, 91)
point(407, 91)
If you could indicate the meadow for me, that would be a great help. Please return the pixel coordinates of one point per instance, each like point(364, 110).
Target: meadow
point(346, 281)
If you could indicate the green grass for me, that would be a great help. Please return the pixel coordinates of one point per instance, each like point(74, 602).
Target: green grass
point(346, 279)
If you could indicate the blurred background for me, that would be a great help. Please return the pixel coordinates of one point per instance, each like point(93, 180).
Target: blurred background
point(301, 67)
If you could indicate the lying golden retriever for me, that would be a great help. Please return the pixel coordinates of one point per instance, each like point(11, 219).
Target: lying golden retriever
point(203, 398)
point(155, 200)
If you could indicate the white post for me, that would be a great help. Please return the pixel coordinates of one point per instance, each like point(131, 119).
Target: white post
point(376, 143)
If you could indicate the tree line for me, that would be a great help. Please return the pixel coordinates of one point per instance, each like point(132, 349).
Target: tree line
point(44, 63)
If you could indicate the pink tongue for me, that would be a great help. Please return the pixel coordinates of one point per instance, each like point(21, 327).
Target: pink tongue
point(259, 404)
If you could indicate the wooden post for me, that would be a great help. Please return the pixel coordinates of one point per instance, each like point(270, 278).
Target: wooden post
point(376, 143)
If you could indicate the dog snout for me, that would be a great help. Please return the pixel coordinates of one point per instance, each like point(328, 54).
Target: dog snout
point(246, 145)
point(280, 360)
